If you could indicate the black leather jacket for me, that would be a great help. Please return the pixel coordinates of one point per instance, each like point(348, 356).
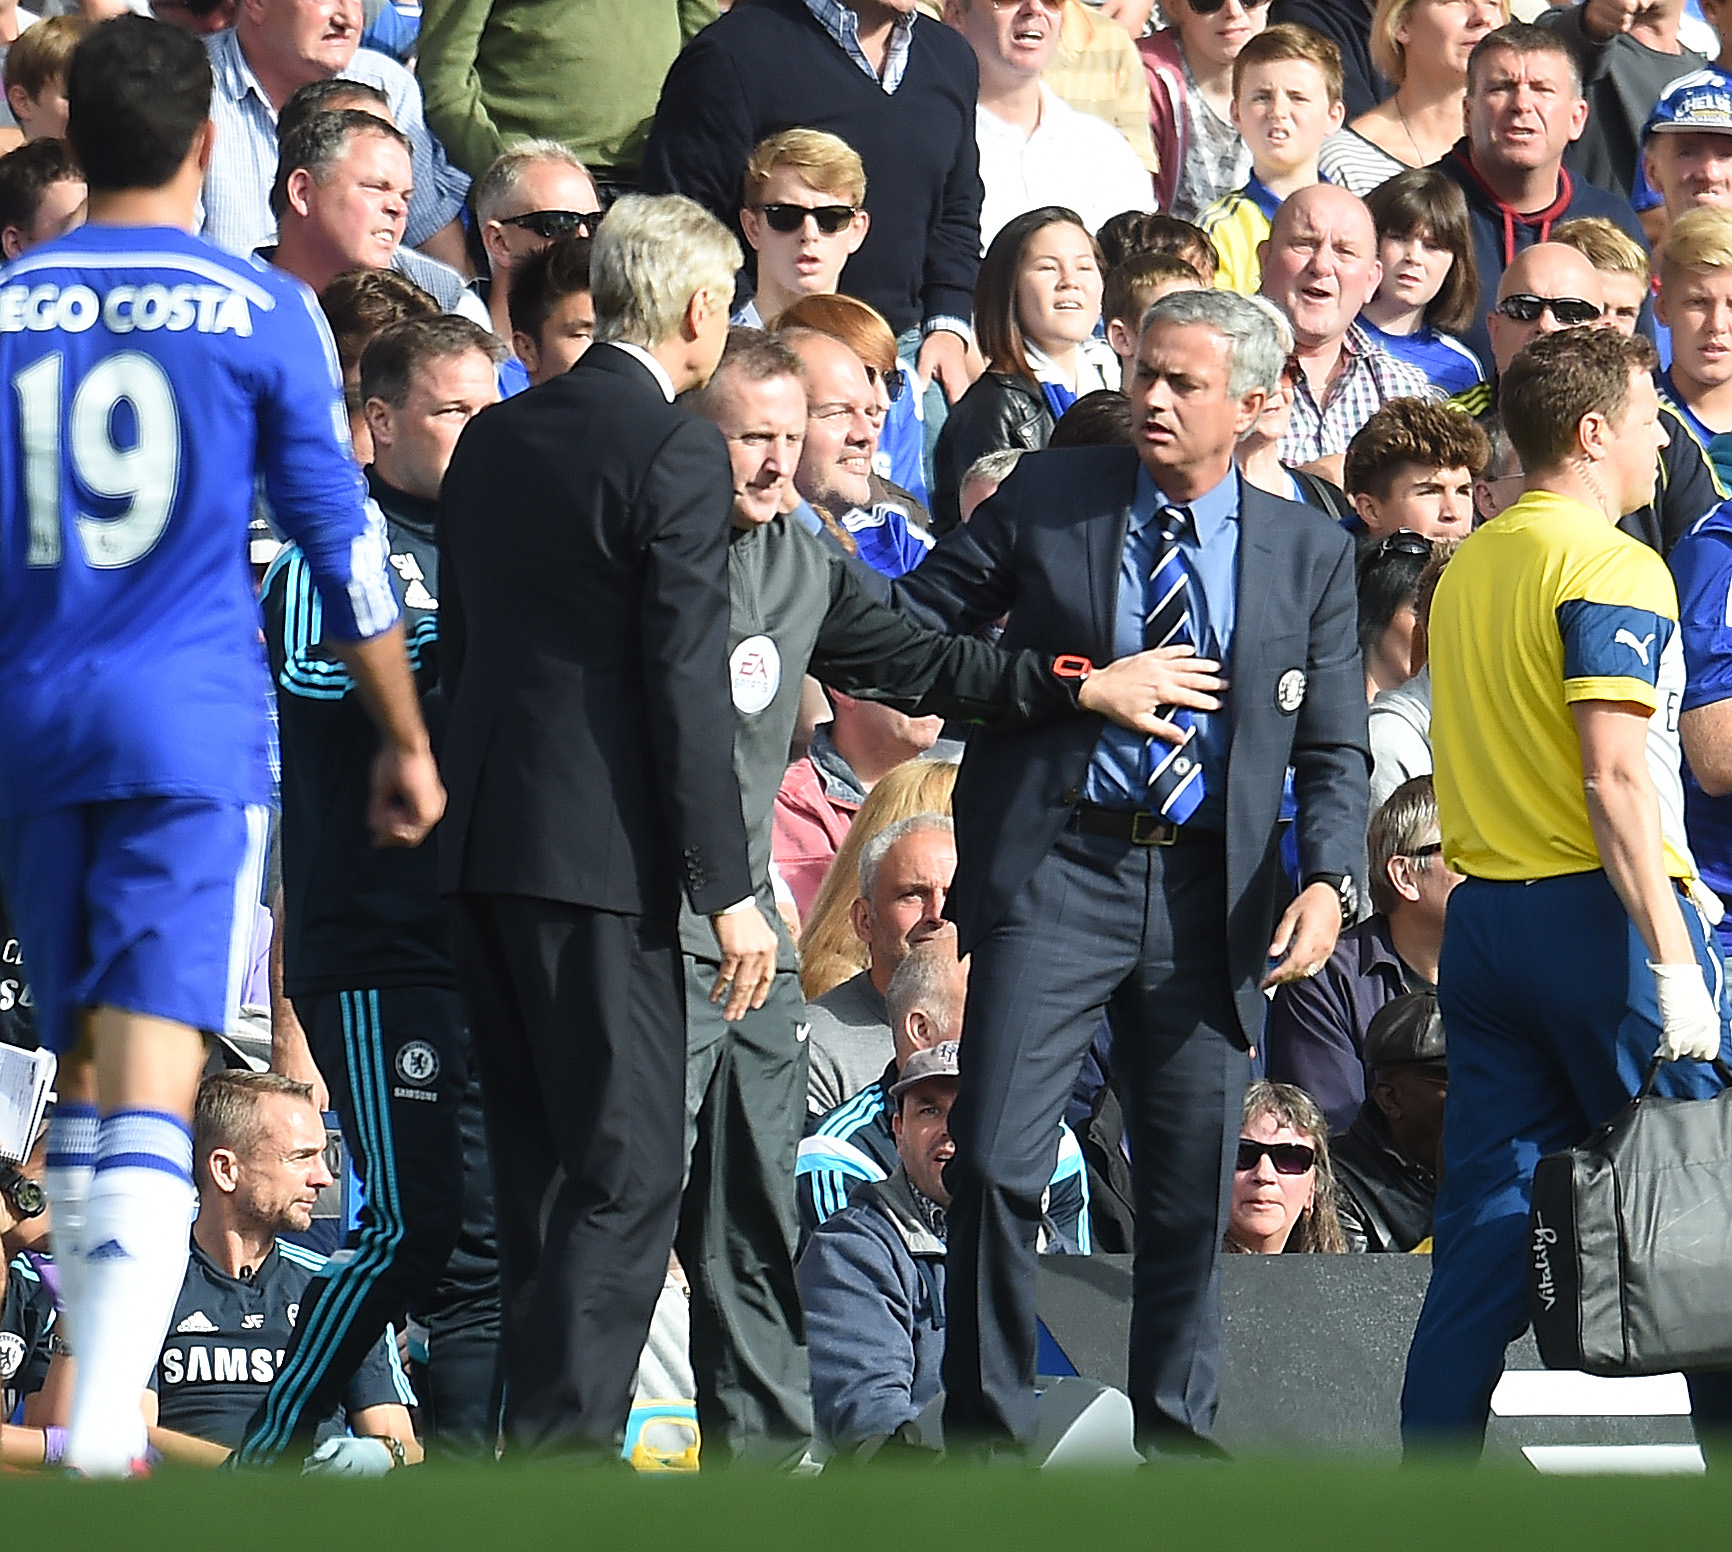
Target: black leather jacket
point(1383, 1197)
point(1000, 411)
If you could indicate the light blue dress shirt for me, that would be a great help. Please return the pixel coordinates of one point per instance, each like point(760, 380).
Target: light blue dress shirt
point(1118, 773)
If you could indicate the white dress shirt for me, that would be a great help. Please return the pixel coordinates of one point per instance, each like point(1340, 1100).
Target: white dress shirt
point(1072, 159)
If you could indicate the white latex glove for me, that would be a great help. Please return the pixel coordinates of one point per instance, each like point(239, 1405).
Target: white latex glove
point(346, 1456)
point(1689, 1018)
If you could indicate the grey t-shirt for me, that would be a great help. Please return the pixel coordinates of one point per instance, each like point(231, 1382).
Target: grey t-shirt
point(851, 1044)
point(1217, 160)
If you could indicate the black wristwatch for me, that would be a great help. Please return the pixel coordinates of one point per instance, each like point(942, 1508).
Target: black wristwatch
point(1346, 892)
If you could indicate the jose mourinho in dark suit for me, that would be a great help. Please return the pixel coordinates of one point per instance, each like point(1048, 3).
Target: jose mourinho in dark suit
point(1141, 876)
point(589, 753)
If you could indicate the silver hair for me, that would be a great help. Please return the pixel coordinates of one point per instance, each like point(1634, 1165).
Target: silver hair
point(653, 253)
point(496, 186)
point(927, 981)
point(873, 853)
point(1256, 354)
point(995, 466)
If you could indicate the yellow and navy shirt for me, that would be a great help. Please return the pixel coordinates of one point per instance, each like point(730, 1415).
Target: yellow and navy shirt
point(1546, 606)
point(1238, 224)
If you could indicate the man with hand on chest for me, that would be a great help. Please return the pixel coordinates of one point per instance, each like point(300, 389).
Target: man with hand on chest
point(797, 608)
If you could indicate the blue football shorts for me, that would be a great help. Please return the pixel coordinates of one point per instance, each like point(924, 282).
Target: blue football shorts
point(145, 904)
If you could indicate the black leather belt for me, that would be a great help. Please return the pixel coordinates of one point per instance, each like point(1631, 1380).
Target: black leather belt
point(1136, 825)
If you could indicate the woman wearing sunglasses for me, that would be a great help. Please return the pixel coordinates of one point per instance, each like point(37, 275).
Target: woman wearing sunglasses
point(1190, 71)
point(1036, 305)
point(1283, 1188)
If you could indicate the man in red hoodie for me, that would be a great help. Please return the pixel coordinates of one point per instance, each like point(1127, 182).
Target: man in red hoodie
point(1524, 108)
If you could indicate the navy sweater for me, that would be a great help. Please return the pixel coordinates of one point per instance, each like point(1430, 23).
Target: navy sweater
point(769, 66)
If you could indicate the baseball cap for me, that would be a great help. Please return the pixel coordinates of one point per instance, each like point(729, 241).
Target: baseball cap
point(938, 1061)
point(1406, 1031)
point(1700, 101)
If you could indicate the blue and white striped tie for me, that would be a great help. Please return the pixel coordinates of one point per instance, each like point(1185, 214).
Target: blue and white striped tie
point(1175, 774)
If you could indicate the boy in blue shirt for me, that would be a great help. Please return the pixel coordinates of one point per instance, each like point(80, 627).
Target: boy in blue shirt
point(150, 380)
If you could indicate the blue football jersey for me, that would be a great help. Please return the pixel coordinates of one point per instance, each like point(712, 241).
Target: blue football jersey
point(148, 383)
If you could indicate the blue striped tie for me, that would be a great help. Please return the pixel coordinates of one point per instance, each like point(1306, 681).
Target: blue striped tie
point(1175, 774)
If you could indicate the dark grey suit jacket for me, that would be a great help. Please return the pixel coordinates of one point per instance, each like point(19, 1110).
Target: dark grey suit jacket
point(1047, 549)
point(584, 647)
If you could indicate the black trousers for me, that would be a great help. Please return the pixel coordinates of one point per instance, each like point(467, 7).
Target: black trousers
point(397, 1063)
point(745, 1110)
point(1100, 924)
point(462, 1385)
point(580, 1032)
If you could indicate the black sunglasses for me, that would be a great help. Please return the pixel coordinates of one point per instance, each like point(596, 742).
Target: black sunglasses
point(895, 380)
point(1289, 1158)
point(830, 219)
point(554, 224)
point(1402, 542)
point(1420, 853)
point(1209, 7)
point(1570, 311)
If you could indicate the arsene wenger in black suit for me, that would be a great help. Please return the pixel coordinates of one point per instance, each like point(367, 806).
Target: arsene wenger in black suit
point(1088, 880)
point(589, 759)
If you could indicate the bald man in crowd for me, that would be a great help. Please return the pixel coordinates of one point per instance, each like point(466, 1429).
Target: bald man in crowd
point(1549, 287)
point(1320, 268)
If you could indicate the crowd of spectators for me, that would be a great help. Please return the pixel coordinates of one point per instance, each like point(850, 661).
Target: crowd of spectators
point(954, 220)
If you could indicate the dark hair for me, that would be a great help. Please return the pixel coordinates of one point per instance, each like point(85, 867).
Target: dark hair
point(1412, 432)
point(27, 174)
point(399, 350)
point(1522, 38)
point(1154, 231)
point(1388, 578)
point(1125, 284)
point(996, 325)
point(538, 284)
point(750, 356)
point(138, 92)
point(1098, 419)
point(1558, 379)
point(1286, 41)
point(323, 97)
point(1425, 200)
point(359, 303)
point(319, 142)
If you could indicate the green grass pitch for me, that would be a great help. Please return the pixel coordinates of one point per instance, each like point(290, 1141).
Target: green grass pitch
point(1252, 1505)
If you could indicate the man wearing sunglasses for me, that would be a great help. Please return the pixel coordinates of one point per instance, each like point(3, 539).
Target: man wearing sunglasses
point(898, 87)
point(531, 196)
point(804, 216)
point(1549, 287)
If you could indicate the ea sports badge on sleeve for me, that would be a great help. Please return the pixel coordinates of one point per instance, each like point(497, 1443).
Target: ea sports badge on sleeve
point(1290, 691)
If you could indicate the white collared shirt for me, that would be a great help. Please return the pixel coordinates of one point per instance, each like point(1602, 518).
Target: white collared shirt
point(1072, 159)
point(655, 368)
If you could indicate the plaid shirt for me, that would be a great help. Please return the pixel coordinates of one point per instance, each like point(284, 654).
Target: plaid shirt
point(1366, 379)
point(237, 189)
point(1097, 70)
point(843, 24)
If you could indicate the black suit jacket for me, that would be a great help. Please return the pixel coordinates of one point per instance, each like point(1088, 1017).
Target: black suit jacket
point(1047, 548)
point(583, 645)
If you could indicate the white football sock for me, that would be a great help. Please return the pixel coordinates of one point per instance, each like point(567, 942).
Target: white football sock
point(136, 1227)
point(66, 1177)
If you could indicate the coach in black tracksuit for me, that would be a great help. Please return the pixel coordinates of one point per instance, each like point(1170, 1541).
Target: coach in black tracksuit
point(366, 951)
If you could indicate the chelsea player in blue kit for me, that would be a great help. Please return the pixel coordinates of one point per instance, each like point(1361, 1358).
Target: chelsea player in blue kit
point(149, 379)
